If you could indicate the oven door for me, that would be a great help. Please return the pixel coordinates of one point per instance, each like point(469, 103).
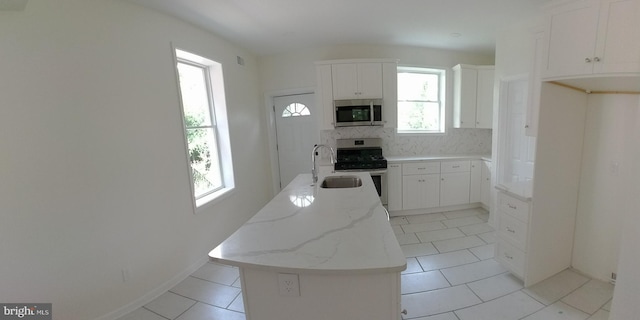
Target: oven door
point(379, 178)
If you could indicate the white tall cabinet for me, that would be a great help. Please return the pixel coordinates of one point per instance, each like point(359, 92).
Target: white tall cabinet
point(562, 214)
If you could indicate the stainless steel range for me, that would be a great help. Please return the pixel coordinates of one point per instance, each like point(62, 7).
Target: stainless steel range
point(363, 155)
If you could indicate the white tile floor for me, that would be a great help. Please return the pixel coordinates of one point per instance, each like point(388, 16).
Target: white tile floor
point(451, 275)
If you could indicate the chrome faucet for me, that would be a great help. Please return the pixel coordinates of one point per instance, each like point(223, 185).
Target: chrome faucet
point(314, 171)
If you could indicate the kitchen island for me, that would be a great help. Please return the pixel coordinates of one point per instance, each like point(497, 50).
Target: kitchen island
point(318, 253)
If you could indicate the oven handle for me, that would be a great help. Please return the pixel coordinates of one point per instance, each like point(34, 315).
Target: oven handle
point(371, 116)
point(387, 212)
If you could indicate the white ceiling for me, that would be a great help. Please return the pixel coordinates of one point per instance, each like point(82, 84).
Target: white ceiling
point(276, 26)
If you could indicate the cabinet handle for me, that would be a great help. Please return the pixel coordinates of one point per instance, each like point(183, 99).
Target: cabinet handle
point(404, 311)
point(455, 167)
point(511, 230)
point(512, 206)
point(596, 59)
point(587, 60)
point(422, 168)
point(442, 179)
point(526, 126)
point(508, 256)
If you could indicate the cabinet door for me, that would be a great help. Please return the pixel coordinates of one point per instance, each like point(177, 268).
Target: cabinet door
point(394, 187)
point(484, 99)
point(464, 97)
point(357, 80)
point(369, 80)
point(454, 188)
point(420, 191)
point(571, 39)
point(485, 186)
point(390, 94)
point(618, 46)
point(345, 80)
point(476, 181)
point(535, 87)
point(324, 97)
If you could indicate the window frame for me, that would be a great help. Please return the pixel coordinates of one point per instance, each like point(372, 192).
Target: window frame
point(442, 77)
point(214, 82)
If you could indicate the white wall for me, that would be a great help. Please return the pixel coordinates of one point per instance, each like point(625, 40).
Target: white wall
point(93, 170)
point(609, 123)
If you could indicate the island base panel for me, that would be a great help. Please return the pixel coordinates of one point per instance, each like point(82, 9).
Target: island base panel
point(322, 297)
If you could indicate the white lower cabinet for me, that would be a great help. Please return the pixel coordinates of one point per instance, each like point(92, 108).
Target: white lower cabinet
point(485, 184)
point(475, 189)
point(455, 180)
point(421, 191)
point(513, 225)
point(511, 258)
point(434, 184)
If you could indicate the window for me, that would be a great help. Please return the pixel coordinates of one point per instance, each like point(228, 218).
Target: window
point(421, 107)
point(205, 126)
point(295, 110)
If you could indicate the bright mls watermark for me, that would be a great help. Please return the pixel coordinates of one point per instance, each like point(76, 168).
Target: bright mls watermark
point(30, 311)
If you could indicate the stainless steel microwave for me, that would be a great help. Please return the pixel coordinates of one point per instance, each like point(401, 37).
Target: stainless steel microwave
point(362, 112)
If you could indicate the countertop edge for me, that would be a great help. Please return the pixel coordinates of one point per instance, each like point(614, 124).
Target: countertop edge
point(306, 270)
point(522, 195)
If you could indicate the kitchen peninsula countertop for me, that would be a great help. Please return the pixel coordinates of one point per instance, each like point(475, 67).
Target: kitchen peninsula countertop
point(308, 229)
point(438, 157)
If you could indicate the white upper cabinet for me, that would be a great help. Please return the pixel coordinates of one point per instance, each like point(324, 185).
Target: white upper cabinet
point(357, 81)
point(586, 37)
point(473, 96)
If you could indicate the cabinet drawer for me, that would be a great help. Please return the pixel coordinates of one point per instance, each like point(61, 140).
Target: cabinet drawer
point(515, 207)
point(420, 168)
point(510, 257)
point(514, 230)
point(455, 166)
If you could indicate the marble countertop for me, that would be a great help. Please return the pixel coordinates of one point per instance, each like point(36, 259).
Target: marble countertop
point(439, 157)
point(308, 229)
point(521, 189)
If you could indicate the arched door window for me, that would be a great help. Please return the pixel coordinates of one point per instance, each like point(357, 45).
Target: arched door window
point(295, 110)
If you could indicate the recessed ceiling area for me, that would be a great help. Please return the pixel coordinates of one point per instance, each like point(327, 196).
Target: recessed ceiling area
point(275, 26)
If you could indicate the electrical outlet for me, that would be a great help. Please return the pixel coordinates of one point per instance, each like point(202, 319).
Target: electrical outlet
point(288, 285)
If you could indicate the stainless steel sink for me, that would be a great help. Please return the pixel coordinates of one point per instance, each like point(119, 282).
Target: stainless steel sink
point(341, 182)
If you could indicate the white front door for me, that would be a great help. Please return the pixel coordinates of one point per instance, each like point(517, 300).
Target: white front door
point(296, 132)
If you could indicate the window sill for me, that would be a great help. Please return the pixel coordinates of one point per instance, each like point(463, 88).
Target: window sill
point(419, 133)
point(211, 199)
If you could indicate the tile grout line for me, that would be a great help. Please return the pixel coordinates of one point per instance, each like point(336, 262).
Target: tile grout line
point(143, 307)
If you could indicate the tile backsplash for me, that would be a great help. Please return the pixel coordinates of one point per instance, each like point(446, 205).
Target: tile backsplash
point(455, 141)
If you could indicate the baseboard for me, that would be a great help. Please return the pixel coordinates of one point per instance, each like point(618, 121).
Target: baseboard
point(153, 294)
